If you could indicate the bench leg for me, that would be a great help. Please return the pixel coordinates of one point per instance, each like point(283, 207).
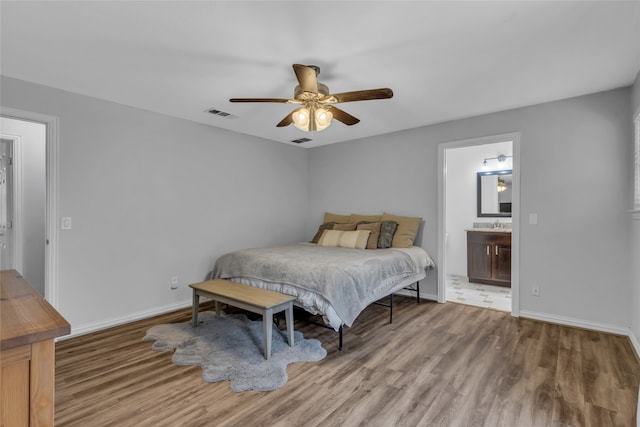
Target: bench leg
point(267, 320)
point(218, 304)
point(196, 307)
point(289, 317)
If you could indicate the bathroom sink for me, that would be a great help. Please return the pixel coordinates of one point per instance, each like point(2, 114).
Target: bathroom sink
point(499, 230)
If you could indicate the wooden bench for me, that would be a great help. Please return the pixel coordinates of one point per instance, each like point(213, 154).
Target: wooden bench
point(255, 300)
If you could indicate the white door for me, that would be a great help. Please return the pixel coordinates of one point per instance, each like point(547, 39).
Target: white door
point(7, 235)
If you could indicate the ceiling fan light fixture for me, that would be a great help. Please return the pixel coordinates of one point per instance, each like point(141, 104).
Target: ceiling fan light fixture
point(312, 118)
point(502, 186)
point(323, 118)
point(301, 118)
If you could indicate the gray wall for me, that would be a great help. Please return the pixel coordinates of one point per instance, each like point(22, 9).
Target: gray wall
point(635, 243)
point(34, 196)
point(153, 197)
point(574, 175)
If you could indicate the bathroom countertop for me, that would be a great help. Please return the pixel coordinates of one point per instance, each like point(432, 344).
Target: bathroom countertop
point(491, 230)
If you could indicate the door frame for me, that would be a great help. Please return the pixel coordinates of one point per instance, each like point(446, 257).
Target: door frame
point(52, 125)
point(16, 180)
point(515, 218)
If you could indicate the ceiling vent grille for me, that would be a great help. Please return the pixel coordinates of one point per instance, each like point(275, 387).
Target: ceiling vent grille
point(220, 113)
point(300, 140)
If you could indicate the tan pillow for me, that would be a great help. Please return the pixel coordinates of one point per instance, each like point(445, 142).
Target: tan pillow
point(406, 232)
point(374, 227)
point(329, 217)
point(356, 239)
point(330, 238)
point(369, 218)
point(345, 227)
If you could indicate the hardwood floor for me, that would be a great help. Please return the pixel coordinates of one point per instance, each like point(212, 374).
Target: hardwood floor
point(436, 365)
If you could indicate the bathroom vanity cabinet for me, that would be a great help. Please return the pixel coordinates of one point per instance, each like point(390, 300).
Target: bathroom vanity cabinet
point(489, 257)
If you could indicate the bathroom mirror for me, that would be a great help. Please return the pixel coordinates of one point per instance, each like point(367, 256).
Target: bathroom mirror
point(495, 193)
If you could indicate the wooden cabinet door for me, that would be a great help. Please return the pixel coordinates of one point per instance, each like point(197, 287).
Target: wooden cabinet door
point(502, 262)
point(489, 258)
point(479, 260)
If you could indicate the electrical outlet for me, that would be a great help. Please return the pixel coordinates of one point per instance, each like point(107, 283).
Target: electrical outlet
point(535, 290)
point(174, 282)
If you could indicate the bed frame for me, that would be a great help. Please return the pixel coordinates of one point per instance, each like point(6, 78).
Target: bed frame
point(389, 304)
point(231, 268)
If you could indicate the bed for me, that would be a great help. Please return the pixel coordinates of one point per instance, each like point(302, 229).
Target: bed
point(334, 282)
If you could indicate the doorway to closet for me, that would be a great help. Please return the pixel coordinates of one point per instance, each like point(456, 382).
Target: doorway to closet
point(30, 205)
point(23, 199)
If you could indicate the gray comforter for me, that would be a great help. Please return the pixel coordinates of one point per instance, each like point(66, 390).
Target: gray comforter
point(349, 279)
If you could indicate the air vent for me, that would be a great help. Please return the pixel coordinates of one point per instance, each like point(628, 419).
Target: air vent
point(220, 113)
point(301, 140)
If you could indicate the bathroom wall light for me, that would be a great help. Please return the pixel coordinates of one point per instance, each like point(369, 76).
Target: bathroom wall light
point(501, 159)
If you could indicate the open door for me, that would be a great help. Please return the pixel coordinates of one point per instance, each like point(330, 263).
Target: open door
point(7, 211)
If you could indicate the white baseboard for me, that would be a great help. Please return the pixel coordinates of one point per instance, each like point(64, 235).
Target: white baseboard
point(579, 323)
point(110, 323)
point(105, 324)
point(408, 293)
point(567, 321)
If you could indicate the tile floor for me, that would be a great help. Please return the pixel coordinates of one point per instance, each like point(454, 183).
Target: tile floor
point(488, 296)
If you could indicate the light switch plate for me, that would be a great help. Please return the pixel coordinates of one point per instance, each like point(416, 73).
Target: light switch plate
point(533, 218)
point(65, 223)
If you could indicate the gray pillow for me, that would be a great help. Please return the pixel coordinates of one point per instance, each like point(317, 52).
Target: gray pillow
point(325, 226)
point(387, 230)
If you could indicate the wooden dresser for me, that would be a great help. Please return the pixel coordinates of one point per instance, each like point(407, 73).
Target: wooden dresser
point(28, 326)
point(489, 257)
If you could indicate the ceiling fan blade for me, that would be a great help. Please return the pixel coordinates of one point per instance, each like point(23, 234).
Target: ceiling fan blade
point(342, 116)
point(362, 95)
point(281, 100)
point(286, 121)
point(307, 78)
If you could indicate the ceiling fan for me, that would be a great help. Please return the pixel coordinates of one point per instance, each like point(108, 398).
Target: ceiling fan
point(317, 109)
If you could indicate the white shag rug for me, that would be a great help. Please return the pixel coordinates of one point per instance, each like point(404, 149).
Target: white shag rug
point(231, 348)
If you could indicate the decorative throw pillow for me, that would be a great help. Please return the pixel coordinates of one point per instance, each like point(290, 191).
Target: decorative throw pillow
point(387, 230)
point(330, 238)
point(407, 229)
point(329, 217)
point(374, 227)
point(369, 218)
point(356, 239)
point(325, 226)
point(345, 227)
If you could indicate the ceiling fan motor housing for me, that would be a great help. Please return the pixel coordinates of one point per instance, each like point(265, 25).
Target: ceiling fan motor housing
point(322, 90)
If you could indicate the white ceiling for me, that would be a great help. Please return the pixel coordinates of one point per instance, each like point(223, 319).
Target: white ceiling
point(443, 60)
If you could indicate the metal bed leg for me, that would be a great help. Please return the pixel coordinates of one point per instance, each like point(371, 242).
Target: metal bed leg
point(340, 338)
point(391, 308)
point(418, 292)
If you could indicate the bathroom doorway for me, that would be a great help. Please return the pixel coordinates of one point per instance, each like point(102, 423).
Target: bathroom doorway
point(462, 211)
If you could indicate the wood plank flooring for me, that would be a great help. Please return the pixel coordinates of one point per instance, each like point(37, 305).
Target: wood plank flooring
point(436, 365)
